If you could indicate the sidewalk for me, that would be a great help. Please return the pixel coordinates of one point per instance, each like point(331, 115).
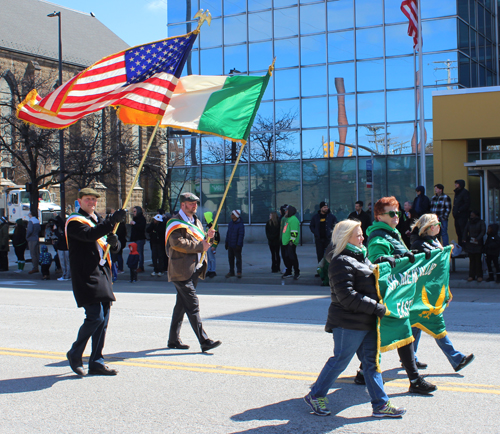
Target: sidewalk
point(256, 269)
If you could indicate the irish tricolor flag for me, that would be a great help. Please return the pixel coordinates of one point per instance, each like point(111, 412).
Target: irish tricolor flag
point(224, 106)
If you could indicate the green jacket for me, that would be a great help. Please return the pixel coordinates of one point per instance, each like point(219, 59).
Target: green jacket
point(384, 241)
point(291, 231)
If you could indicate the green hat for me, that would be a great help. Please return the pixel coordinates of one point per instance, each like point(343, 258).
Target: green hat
point(189, 197)
point(88, 192)
point(209, 217)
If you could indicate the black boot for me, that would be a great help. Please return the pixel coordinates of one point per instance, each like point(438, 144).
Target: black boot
point(491, 278)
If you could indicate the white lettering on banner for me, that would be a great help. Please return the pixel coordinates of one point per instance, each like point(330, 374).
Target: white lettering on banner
point(409, 277)
point(404, 308)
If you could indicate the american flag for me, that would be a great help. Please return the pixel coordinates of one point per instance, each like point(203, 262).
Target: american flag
point(141, 78)
point(410, 9)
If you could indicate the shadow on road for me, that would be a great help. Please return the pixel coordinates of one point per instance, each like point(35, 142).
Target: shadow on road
point(32, 384)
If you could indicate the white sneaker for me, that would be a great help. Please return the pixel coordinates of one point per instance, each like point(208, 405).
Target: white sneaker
point(159, 274)
point(153, 274)
point(61, 279)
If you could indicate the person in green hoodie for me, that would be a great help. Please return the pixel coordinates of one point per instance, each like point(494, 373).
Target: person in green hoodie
point(386, 245)
point(209, 219)
point(290, 240)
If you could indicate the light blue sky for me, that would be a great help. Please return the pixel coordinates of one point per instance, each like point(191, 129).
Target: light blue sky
point(134, 21)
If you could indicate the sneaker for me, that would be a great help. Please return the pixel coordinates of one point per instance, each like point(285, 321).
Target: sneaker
point(421, 365)
point(360, 378)
point(421, 386)
point(388, 410)
point(159, 274)
point(61, 279)
point(286, 275)
point(296, 277)
point(153, 274)
point(318, 405)
point(120, 271)
point(465, 361)
point(229, 275)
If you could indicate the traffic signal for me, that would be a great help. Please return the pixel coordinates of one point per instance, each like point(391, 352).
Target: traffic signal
point(332, 149)
point(349, 152)
point(325, 150)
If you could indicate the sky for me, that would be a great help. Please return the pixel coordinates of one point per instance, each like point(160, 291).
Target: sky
point(135, 21)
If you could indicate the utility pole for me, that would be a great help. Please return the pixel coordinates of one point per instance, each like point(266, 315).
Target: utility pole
point(448, 68)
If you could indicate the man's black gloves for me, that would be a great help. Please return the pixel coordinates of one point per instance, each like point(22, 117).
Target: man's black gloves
point(390, 259)
point(118, 216)
point(112, 240)
point(410, 256)
point(427, 254)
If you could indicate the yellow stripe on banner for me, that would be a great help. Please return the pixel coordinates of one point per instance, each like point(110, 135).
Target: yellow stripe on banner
point(249, 371)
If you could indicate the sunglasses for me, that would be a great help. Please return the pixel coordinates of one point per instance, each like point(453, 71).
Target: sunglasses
point(393, 213)
point(437, 224)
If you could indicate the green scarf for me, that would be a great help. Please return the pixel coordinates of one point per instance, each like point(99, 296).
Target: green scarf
point(355, 249)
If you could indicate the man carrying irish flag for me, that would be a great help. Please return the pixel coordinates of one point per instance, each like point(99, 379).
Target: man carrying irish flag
point(185, 243)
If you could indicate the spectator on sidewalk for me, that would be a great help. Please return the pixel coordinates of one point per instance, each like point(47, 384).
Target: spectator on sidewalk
point(51, 240)
point(234, 242)
point(166, 217)
point(19, 242)
point(282, 220)
point(4, 244)
point(33, 239)
point(133, 261)
point(362, 216)
point(290, 239)
point(138, 234)
point(421, 203)
point(45, 262)
point(321, 226)
point(157, 240)
point(408, 218)
point(461, 207)
point(273, 236)
point(441, 206)
point(211, 262)
point(62, 250)
point(492, 251)
point(473, 235)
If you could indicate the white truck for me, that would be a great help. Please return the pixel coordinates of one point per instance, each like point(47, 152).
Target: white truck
point(15, 203)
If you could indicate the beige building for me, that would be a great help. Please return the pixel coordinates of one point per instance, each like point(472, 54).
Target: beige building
point(467, 146)
point(29, 49)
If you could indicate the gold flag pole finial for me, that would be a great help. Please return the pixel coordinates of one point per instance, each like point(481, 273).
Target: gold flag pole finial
point(202, 17)
point(271, 68)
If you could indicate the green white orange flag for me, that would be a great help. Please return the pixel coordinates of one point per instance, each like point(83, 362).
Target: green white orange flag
point(223, 106)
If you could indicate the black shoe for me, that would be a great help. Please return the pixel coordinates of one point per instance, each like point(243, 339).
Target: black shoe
point(178, 345)
point(75, 367)
point(296, 277)
point(102, 370)
point(229, 275)
point(421, 386)
point(209, 345)
point(421, 365)
point(359, 378)
point(465, 361)
point(316, 275)
point(286, 275)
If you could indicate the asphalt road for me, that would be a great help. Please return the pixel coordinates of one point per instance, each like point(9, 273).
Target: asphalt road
point(273, 348)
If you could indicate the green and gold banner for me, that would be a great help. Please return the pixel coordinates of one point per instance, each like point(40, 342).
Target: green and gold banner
point(415, 295)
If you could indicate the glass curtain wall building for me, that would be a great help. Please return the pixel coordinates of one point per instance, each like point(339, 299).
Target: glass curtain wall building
point(344, 73)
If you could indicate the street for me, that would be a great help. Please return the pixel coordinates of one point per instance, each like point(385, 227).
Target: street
point(273, 347)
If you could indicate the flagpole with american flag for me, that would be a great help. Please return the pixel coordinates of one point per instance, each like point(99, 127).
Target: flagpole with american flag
point(412, 10)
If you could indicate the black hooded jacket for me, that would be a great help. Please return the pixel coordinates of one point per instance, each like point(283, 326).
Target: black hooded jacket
point(421, 204)
point(461, 202)
point(138, 231)
point(492, 243)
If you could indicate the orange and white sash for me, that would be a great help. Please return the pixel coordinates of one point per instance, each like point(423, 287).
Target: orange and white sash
point(101, 242)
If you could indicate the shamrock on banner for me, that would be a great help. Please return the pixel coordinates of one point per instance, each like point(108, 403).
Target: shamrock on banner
point(414, 295)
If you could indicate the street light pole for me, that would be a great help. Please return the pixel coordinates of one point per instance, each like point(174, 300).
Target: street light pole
point(62, 190)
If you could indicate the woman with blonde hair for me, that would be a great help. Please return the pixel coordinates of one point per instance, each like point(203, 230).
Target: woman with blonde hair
point(426, 231)
point(352, 319)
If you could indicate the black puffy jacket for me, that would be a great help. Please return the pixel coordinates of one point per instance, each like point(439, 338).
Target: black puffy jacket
point(354, 297)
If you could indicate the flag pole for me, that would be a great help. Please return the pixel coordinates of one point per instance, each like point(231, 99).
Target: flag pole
point(225, 194)
point(423, 179)
point(136, 177)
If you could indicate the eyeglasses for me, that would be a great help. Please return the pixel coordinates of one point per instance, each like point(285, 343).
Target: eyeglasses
point(393, 213)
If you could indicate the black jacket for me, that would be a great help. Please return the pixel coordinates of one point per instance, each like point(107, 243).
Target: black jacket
point(474, 232)
point(156, 232)
point(364, 218)
point(423, 243)
point(138, 231)
point(354, 297)
point(461, 202)
point(331, 221)
point(492, 243)
point(421, 204)
point(91, 281)
point(273, 234)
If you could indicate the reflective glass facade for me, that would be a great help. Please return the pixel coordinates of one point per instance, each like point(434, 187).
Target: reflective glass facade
point(344, 73)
